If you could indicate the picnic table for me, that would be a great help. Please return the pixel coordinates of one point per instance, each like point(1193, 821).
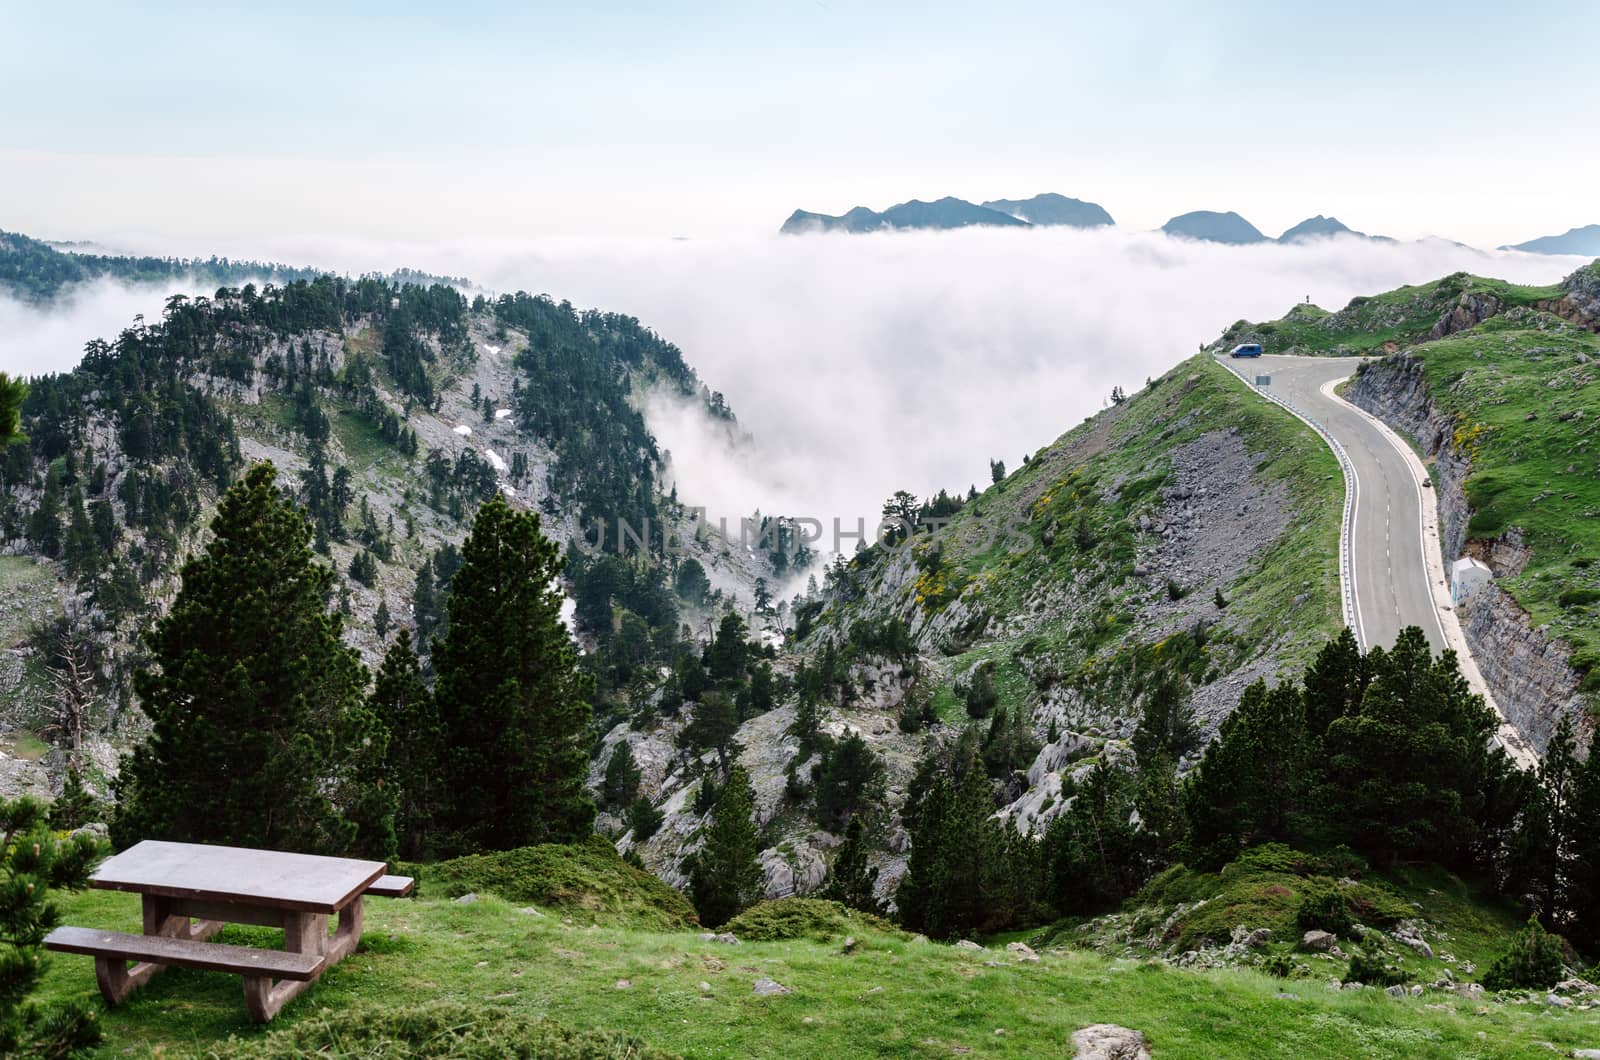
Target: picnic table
point(191, 891)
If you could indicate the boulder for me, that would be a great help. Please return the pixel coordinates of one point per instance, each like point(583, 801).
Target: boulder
point(1022, 951)
point(467, 899)
point(769, 988)
point(967, 944)
point(1107, 1041)
point(1319, 941)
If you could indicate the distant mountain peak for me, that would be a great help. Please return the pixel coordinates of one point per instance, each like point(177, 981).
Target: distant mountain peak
point(948, 212)
point(1584, 241)
point(1046, 210)
point(1210, 226)
point(1051, 209)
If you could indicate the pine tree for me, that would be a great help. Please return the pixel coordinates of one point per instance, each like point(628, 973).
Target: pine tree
point(1335, 683)
point(1583, 878)
point(1252, 782)
point(33, 862)
point(849, 782)
point(1092, 847)
point(1538, 863)
point(1166, 721)
point(851, 881)
point(12, 393)
point(725, 878)
point(75, 806)
point(512, 699)
point(401, 701)
point(253, 697)
point(621, 784)
point(381, 619)
point(713, 726)
point(643, 819)
point(1532, 961)
point(807, 723)
point(1410, 767)
point(963, 874)
point(982, 696)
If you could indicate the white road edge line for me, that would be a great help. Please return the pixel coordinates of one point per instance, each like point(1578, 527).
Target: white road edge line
point(1352, 495)
point(1444, 613)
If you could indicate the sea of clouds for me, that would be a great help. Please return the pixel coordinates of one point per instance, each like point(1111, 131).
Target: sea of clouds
point(859, 365)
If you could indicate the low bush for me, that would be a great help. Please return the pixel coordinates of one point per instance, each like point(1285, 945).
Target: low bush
point(589, 880)
point(1372, 969)
point(1531, 962)
point(1578, 597)
point(801, 918)
point(1323, 908)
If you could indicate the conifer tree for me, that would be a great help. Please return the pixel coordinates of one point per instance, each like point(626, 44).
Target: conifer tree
point(807, 724)
point(33, 862)
point(402, 702)
point(715, 722)
point(1335, 682)
point(725, 878)
point(512, 700)
point(1539, 862)
point(848, 783)
point(1166, 720)
point(1092, 847)
point(1411, 765)
point(961, 875)
point(12, 393)
point(1252, 782)
point(255, 701)
point(851, 881)
point(621, 784)
point(1583, 878)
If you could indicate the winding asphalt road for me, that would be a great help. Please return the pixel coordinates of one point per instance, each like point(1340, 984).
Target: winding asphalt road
point(1391, 576)
point(1397, 574)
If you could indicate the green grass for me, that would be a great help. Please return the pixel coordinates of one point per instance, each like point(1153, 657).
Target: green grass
point(802, 918)
point(893, 996)
point(1067, 523)
point(587, 882)
point(1370, 324)
point(359, 437)
point(1537, 477)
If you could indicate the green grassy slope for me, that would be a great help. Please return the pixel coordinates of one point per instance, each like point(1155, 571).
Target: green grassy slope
point(1068, 522)
point(1526, 398)
point(506, 967)
point(1372, 324)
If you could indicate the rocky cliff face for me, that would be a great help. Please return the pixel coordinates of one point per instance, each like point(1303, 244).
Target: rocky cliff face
point(1531, 676)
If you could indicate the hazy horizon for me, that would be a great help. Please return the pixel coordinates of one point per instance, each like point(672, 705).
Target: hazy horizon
point(711, 120)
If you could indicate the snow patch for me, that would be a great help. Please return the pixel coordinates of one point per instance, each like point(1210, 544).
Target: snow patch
point(463, 430)
point(502, 414)
point(495, 460)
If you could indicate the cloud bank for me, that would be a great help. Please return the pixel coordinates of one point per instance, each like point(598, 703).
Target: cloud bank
point(860, 365)
point(865, 364)
point(39, 340)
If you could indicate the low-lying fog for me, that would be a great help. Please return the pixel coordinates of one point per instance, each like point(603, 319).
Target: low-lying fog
point(864, 364)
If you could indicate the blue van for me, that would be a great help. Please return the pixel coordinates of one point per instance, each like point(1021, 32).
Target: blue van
point(1246, 349)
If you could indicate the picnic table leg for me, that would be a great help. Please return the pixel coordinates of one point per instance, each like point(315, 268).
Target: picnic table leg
point(302, 933)
point(348, 935)
point(115, 978)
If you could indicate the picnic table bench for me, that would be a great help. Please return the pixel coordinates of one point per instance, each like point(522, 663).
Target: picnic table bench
point(191, 891)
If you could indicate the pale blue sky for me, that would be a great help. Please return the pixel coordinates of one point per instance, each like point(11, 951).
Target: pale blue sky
point(401, 120)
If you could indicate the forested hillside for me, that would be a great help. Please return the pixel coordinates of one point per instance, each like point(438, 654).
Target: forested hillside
point(37, 271)
point(392, 410)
